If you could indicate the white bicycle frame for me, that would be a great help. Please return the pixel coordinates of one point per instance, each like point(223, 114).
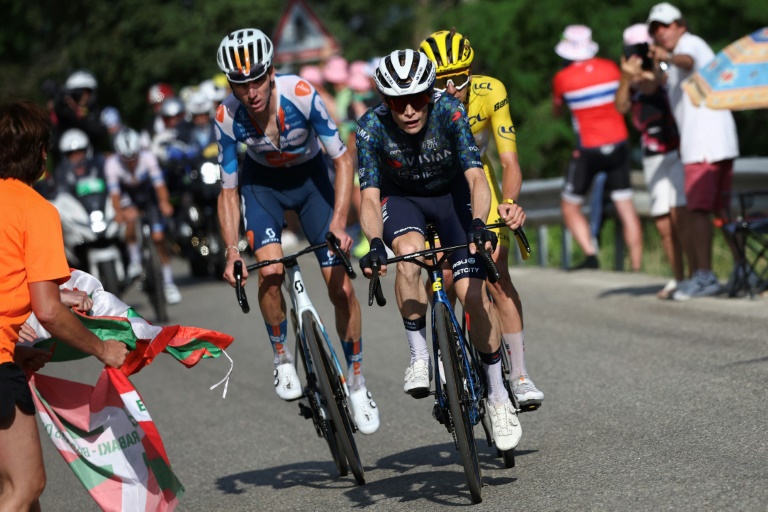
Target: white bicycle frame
point(300, 300)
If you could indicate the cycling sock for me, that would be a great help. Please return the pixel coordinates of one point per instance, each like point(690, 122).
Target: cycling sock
point(167, 274)
point(134, 253)
point(353, 353)
point(497, 393)
point(516, 350)
point(416, 331)
point(277, 334)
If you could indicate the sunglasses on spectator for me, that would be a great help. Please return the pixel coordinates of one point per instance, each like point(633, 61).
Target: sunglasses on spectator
point(399, 103)
point(458, 80)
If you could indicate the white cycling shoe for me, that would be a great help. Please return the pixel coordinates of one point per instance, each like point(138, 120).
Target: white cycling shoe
point(365, 411)
point(172, 293)
point(505, 425)
point(418, 377)
point(287, 384)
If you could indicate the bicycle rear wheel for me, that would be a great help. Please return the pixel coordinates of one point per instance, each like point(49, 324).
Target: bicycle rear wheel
point(330, 386)
point(458, 399)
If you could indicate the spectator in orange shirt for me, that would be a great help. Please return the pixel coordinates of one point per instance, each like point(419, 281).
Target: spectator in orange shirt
point(32, 265)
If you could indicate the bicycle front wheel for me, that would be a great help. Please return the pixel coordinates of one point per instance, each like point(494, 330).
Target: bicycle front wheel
point(458, 399)
point(330, 386)
point(153, 281)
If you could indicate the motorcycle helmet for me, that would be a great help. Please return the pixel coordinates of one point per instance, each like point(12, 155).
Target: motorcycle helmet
point(74, 139)
point(80, 80)
point(127, 143)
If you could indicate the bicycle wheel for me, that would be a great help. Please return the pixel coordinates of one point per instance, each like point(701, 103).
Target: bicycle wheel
point(458, 400)
point(323, 426)
point(153, 281)
point(330, 386)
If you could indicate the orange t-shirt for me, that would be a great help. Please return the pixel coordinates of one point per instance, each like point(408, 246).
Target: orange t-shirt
point(31, 251)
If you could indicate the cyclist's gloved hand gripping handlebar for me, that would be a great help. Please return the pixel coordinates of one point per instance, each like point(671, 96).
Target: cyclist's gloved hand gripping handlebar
point(479, 235)
point(375, 259)
point(239, 290)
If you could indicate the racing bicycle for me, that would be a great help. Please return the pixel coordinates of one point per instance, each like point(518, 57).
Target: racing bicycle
point(326, 392)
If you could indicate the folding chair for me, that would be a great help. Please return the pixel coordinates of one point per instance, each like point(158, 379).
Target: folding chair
point(748, 230)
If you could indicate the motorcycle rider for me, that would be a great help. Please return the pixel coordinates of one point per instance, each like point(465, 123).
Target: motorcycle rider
point(78, 161)
point(137, 186)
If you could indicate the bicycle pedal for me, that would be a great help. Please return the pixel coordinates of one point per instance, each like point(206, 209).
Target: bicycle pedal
point(304, 411)
point(420, 393)
point(529, 407)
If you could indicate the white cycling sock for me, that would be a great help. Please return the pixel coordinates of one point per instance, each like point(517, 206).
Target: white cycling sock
point(516, 349)
point(167, 274)
point(134, 253)
point(416, 331)
point(497, 393)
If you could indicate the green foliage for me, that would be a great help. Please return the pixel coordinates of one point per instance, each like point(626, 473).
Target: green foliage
point(131, 44)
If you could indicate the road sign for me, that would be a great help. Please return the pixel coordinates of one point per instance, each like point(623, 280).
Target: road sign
point(301, 36)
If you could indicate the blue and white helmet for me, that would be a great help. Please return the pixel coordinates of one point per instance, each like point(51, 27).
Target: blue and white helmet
point(404, 72)
point(245, 55)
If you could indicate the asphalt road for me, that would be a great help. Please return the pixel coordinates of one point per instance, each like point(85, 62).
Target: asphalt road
point(649, 405)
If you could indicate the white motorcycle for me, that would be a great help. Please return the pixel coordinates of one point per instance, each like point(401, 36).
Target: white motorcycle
point(92, 238)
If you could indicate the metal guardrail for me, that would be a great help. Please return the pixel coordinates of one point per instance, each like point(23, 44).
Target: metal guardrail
point(541, 200)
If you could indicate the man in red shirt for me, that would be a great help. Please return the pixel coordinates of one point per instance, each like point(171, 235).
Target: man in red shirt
point(587, 85)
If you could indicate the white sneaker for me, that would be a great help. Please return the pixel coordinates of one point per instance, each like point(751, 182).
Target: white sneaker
point(172, 293)
point(365, 411)
point(418, 377)
point(526, 393)
point(703, 284)
point(505, 425)
point(287, 384)
point(133, 271)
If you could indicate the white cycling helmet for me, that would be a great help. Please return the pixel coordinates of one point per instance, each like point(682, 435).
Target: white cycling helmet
point(245, 55)
point(199, 103)
point(127, 143)
point(404, 72)
point(74, 139)
point(80, 80)
point(171, 107)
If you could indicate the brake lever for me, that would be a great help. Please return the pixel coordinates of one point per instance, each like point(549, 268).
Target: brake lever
point(239, 290)
point(335, 243)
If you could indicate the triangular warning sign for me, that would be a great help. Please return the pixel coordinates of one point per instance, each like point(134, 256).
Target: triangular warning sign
point(301, 36)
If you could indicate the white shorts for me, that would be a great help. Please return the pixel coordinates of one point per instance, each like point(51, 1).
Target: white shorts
point(665, 178)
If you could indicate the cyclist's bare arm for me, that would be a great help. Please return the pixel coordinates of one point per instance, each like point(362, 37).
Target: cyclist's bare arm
point(371, 220)
point(343, 199)
point(58, 320)
point(229, 220)
point(480, 193)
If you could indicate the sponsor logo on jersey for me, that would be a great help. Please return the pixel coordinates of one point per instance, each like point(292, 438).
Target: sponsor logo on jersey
point(303, 88)
point(507, 132)
point(278, 159)
point(220, 113)
point(482, 86)
point(500, 104)
point(476, 119)
point(394, 163)
point(249, 236)
point(456, 116)
point(363, 134)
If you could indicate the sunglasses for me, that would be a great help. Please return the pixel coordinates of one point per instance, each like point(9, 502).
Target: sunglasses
point(442, 82)
point(260, 72)
point(399, 103)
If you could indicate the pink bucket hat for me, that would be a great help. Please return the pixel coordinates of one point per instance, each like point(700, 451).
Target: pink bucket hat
point(359, 82)
point(335, 70)
point(636, 34)
point(576, 43)
point(311, 74)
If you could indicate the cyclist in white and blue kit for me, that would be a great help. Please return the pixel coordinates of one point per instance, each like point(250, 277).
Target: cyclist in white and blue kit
point(282, 121)
point(419, 164)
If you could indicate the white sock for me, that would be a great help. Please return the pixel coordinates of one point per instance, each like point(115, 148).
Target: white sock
point(516, 349)
point(497, 393)
point(134, 253)
point(418, 343)
point(167, 274)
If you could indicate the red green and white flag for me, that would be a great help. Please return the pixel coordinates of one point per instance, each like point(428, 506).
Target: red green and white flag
point(109, 440)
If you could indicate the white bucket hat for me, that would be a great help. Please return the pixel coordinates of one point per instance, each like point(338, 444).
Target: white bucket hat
point(576, 43)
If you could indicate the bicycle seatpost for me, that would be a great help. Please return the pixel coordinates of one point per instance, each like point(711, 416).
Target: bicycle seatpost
point(239, 290)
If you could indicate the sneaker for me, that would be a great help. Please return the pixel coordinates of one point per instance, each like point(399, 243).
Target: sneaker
point(703, 284)
point(505, 425)
point(287, 383)
point(666, 292)
point(365, 411)
point(418, 377)
point(526, 393)
point(589, 263)
point(172, 293)
point(133, 271)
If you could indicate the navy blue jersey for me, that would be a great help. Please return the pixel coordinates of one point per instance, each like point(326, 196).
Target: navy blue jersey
point(423, 164)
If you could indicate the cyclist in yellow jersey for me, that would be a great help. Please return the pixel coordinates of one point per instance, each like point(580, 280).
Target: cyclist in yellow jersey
point(487, 107)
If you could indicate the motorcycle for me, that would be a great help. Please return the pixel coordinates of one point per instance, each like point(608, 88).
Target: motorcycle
point(92, 238)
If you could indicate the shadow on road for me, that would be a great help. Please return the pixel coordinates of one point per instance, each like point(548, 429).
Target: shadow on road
point(635, 291)
point(314, 474)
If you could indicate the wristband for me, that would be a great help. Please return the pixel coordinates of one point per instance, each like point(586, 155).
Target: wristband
point(226, 251)
point(509, 201)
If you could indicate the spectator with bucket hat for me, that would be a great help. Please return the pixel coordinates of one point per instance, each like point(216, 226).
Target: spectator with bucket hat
point(587, 85)
point(708, 143)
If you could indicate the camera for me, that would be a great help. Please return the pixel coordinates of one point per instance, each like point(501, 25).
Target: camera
point(641, 50)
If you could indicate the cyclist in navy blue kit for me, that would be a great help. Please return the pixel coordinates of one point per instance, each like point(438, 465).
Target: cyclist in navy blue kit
point(282, 121)
point(419, 164)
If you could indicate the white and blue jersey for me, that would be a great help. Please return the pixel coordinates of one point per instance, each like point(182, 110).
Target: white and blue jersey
point(303, 123)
